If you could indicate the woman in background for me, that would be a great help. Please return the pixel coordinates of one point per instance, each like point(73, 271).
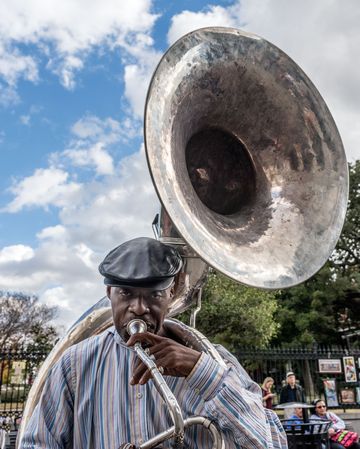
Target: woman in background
point(336, 427)
point(266, 392)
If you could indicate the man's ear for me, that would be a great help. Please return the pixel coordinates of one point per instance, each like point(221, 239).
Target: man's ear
point(108, 290)
point(172, 290)
point(171, 295)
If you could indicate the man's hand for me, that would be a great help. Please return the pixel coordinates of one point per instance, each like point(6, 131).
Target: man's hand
point(176, 359)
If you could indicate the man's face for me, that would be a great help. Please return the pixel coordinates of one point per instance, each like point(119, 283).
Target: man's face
point(146, 304)
point(291, 380)
point(298, 412)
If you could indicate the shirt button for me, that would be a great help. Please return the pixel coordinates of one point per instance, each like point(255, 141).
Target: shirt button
point(139, 395)
point(197, 391)
point(141, 441)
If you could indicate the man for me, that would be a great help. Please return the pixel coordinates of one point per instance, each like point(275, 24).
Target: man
point(100, 396)
point(291, 392)
point(295, 419)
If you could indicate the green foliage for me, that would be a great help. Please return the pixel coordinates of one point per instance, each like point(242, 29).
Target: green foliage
point(318, 311)
point(346, 259)
point(43, 338)
point(234, 315)
point(306, 312)
point(321, 309)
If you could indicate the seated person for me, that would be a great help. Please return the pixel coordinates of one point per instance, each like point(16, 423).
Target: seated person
point(295, 419)
point(337, 425)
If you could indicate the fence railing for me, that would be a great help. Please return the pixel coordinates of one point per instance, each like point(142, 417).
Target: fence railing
point(331, 373)
point(18, 370)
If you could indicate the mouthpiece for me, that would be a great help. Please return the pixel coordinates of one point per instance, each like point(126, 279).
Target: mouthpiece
point(136, 327)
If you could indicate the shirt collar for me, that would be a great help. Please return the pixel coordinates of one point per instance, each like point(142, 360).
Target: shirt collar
point(118, 339)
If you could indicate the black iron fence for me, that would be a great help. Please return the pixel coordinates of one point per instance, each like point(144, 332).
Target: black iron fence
point(331, 373)
point(17, 373)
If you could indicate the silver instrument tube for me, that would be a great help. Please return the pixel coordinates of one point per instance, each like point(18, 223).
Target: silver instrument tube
point(177, 430)
point(138, 326)
point(218, 442)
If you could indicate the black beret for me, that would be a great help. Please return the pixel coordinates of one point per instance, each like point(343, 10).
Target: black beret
point(141, 262)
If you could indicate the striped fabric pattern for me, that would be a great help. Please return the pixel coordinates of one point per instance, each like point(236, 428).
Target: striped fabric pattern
point(88, 402)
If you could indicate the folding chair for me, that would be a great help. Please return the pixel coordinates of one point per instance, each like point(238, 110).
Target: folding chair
point(312, 435)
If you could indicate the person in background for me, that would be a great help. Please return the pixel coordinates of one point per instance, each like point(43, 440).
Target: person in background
point(297, 415)
point(294, 419)
point(291, 392)
point(267, 395)
point(336, 428)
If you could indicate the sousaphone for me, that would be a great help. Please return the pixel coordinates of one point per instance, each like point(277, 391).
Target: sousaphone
point(249, 167)
point(245, 157)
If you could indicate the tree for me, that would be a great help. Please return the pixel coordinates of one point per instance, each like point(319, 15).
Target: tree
point(322, 308)
point(26, 323)
point(346, 258)
point(234, 315)
point(306, 312)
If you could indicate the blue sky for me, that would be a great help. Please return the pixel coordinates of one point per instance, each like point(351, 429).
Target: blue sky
point(73, 80)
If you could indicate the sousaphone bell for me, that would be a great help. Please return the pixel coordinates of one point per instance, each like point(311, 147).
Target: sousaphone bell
point(245, 157)
point(249, 167)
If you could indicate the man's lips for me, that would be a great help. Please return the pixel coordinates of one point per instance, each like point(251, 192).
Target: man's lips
point(150, 326)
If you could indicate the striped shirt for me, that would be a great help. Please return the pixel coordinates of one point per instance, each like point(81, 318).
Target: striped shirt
point(88, 402)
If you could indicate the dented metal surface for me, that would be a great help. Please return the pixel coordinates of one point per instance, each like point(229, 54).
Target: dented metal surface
point(283, 183)
point(283, 186)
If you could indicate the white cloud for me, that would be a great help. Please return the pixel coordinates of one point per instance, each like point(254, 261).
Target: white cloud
point(55, 233)
point(8, 95)
point(136, 83)
point(63, 265)
point(108, 130)
point(188, 21)
point(16, 253)
point(64, 33)
point(56, 296)
point(63, 37)
point(99, 213)
point(13, 65)
point(54, 186)
point(45, 187)
point(322, 37)
point(92, 142)
point(95, 156)
point(121, 205)
point(92, 127)
point(137, 75)
point(66, 69)
point(26, 119)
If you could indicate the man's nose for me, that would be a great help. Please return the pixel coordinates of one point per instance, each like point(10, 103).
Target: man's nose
point(139, 306)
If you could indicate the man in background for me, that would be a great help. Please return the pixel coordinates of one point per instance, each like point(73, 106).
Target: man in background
point(292, 392)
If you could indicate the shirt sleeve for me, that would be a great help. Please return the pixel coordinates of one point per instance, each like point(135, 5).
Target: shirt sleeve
point(282, 395)
point(234, 402)
point(337, 423)
point(50, 426)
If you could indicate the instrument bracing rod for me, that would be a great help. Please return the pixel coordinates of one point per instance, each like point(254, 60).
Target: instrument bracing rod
point(161, 385)
point(218, 442)
point(177, 430)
